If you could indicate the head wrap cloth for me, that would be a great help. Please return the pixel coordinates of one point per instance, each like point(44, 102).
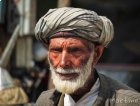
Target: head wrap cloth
point(80, 22)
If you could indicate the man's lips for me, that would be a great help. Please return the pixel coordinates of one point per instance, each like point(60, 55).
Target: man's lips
point(67, 76)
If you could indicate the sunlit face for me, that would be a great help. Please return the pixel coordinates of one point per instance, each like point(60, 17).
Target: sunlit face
point(68, 52)
point(70, 63)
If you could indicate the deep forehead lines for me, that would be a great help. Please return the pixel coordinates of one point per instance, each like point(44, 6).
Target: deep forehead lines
point(67, 41)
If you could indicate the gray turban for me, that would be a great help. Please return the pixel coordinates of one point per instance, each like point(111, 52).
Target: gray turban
point(80, 22)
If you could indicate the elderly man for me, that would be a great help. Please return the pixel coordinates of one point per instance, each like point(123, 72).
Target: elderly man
point(75, 39)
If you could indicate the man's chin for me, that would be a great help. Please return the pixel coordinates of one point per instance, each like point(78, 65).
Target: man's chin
point(76, 78)
point(68, 90)
point(67, 86)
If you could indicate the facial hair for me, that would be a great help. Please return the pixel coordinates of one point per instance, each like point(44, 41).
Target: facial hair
point(70, 86)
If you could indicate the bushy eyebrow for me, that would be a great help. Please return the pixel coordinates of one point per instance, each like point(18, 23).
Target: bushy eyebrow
point(70, 48)
point(75, 48)
point(54, 47)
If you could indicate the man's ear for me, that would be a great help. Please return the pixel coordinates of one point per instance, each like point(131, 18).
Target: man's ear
point(98, 50)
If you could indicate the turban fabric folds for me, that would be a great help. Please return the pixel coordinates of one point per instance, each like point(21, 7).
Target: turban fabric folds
point(79, 22)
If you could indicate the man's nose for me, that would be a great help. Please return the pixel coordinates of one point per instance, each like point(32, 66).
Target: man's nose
point(65, 60)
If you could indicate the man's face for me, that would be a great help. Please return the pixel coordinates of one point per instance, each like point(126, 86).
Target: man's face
point(70, 63)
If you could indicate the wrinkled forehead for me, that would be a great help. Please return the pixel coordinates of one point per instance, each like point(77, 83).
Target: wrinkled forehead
point(67, 36)
point(68, 40)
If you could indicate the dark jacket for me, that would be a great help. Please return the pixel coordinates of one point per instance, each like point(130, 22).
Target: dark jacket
point(111, 93)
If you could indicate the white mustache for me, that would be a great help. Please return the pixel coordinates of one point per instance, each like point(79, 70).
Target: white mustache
point(68, 71)
point(70, 86)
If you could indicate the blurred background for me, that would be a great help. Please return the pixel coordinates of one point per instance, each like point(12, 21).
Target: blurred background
point(24, 59)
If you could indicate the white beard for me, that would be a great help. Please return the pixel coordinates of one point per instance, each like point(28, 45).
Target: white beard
point(70, 86)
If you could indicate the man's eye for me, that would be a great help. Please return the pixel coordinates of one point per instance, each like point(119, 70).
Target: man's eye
point(56, 49)
point(75, 49)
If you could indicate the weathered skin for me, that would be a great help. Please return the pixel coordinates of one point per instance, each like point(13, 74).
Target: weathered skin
point(68, 52)
point(71, 52)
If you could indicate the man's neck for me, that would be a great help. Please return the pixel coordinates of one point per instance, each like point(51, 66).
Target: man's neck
point(86, 88)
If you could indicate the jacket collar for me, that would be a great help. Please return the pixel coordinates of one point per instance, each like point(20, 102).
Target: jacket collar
point(55, 98)
point(104, 90)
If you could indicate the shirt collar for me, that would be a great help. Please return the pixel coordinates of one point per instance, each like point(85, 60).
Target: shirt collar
point(86, 99)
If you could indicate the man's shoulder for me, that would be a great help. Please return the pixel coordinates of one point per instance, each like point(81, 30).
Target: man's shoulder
point(129, 93)
point(48, 92)
point(126, 97)
point(117, 92)
point(45, 97)
point(112, 84)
